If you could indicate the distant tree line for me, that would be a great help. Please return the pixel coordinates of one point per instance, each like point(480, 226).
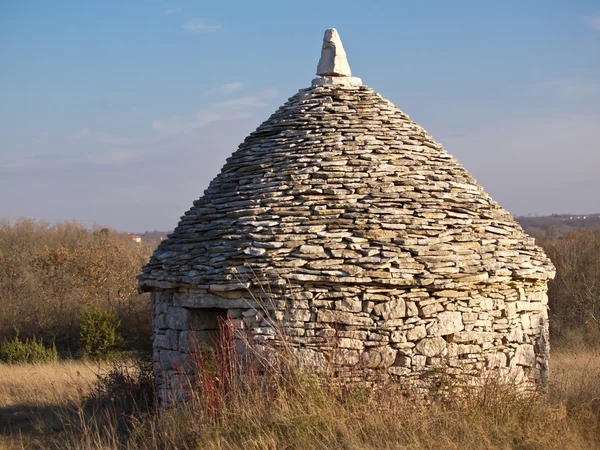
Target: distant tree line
point(574, 295)
point(52, 275)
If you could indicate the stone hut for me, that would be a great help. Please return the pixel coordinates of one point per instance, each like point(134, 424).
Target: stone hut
point(343, 223)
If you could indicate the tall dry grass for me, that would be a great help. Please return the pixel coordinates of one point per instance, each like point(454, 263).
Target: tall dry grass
point(49, 274)
point(234, 409)
point(34, 396)
point(574, 295)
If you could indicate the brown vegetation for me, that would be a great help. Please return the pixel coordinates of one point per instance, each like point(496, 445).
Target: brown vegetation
point(291, 410)
point(574, 295)
point(50, 274)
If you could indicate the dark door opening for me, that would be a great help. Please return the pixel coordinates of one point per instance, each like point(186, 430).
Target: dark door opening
point(206, 325)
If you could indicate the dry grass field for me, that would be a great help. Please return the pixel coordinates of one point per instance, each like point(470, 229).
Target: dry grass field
point(51, 275)
point(40, 408)
point(33, 397)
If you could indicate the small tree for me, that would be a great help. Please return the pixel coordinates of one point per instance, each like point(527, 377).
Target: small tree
point(99, 333)
point(32, 351)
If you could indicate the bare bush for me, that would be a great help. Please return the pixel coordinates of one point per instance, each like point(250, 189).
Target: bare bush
point(574, 295)
point(50, 273)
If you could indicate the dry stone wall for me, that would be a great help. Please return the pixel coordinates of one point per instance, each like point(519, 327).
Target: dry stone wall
point(406, 334)
point(373, 242)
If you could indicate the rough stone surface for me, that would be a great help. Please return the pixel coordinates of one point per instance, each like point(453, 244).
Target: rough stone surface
point(431, 346)
point(448, 322)
point(341, 224)
point(340, 81)
point(333, 62)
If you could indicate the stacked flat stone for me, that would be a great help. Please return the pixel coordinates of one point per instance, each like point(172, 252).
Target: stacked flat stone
point(343, 223)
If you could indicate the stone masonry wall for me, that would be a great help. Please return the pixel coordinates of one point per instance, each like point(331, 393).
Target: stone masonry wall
point(466, 333)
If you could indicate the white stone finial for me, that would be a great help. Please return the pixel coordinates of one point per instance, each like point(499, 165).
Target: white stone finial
point(333, 62)
point(333, 68)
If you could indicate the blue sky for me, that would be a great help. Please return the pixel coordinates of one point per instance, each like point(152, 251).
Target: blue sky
point(120, 113)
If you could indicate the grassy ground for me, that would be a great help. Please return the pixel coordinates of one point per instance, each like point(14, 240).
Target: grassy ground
point(33, 395)
point(297, 413)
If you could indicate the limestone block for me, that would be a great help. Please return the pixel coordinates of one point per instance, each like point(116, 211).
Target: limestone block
point(378, 337)
point(399, 371)
point(469, 317)
point(431, 346)
point(310, 359)
point(393, 309)
point(529, 306)
point(419, 361)
point(170, 360)
point(411, 309)
point(342, 317)
point(167, 341)
point(416, 333)
point(515, 335)
point(524, 356)
point(160, 308)
point(338, 81)
point(537, 320)
point(333, 60)
point(346, 357)
point(270, 331)
point(356, 344)
point(403, 361)
point(398, 336)
point(178, 318)
point(237, 324)
point(477, 337)
point(378, 357)
point(160, 322)
point(301, 315)
point(466, 349)
point(349, 304)
point(354, 334)
point(486, 304)
point(432, 309)
point(496, 360)
point(448, 322)
point(511, 309)
point(312, 249)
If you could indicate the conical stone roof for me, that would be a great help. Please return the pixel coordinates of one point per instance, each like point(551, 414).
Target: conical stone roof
point(339, 186)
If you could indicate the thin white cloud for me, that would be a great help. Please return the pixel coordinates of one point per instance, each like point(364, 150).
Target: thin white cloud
point(234, 109)
point(177, 124)
point(573, 87)
point(198, 26)
point(111, 139)
point(548, 160)
point(82, 133)
point(269, 92)
point(593, 20)
point(67, 159)
point(226, 88)
point(171, 11)
point(236, 104)
point(102, 149)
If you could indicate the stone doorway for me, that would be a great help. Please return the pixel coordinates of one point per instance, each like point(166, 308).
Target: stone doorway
point(205, 328)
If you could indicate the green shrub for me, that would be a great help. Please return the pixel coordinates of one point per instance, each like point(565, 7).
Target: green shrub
point(99, 333)
point(16, 351)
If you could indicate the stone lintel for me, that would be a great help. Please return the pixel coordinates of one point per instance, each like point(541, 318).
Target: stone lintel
point(338, 81)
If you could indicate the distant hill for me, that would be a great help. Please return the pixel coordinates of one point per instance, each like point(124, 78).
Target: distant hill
point(558, 222)
point(155, 235)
